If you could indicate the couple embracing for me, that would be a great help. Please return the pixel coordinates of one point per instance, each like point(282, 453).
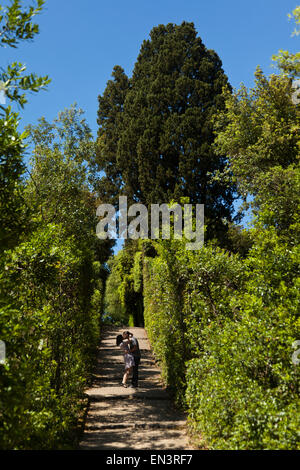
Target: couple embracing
point(132, 356)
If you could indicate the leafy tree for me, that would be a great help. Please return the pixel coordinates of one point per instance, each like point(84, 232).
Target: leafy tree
point(155, 137)
point(238, 240)
point(287, 62)
point(58, 190)
point(16, 26)
point(110, 120)
point(260, 134)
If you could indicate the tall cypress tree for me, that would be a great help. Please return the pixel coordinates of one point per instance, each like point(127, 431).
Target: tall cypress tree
point(110, 118)
point(155, 136)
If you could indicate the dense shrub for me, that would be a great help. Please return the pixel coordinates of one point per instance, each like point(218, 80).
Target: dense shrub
point(51, 328)
point(123, 302)
point(164, 317)
point(243, 390)
point(223, 328)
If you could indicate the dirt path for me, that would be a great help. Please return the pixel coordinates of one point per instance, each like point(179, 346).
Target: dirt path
point(127, 418)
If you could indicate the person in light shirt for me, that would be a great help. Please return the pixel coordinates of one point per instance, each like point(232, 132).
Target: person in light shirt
point(124, 344)
point(135, 351)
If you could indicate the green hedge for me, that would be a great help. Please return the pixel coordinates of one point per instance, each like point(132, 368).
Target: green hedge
point(223, 328)
point(164, 319)
point(243, 390)
point(50, 323)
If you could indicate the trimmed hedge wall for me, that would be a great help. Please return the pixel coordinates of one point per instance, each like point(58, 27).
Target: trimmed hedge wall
point(49, 319)
point(222, 328)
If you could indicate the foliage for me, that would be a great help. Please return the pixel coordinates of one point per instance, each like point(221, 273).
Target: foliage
point(123, 302)
point(57, 190)
point(260, 134)
point(17, 23)
point(138, 272)
point(163, 315)
point(155, 136)
point(114, 308)
point(16, 26)
point(110, 119)
point(287, 62)
point(50, 333)
point(239, 312)
point(221, 320)
point(238, 240)
point(52, 290)
point(12, 213)
point(243, 389)
point(222, 328)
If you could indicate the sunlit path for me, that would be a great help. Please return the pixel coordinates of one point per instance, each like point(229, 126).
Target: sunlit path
point(120, 418)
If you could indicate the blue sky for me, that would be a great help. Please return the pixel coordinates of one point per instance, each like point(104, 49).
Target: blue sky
point(81, 41)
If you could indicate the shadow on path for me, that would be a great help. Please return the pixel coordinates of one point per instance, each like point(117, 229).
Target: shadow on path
point(128, 418)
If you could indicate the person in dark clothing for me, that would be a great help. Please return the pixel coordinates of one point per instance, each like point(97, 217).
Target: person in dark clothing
point(135, 351)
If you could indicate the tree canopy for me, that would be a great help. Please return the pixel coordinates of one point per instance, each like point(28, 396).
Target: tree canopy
point(155, 134)
point(16, 26)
